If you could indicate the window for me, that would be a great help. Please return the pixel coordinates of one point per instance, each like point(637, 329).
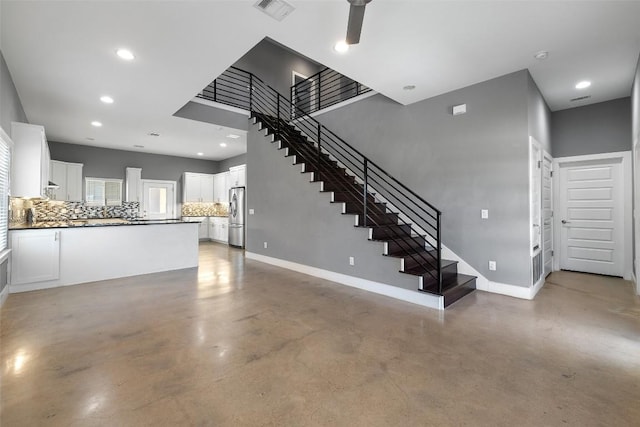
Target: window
point(5, 165)
point(103, 192)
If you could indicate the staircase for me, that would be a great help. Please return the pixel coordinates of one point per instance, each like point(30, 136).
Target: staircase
point(407, 224)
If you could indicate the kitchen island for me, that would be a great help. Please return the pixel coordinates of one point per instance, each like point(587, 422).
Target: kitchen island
point(47, 255)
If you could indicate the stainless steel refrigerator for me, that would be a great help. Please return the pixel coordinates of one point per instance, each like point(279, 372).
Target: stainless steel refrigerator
point(236, 217)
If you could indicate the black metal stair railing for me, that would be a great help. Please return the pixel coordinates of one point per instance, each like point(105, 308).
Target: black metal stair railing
point(417, 223)
point(324, 89)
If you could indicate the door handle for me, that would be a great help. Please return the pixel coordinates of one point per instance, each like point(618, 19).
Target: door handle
point(564, 221)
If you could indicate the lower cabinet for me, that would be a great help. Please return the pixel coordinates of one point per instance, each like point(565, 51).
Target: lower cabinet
point(203, 229)
point(218, 229)
point(35, 256)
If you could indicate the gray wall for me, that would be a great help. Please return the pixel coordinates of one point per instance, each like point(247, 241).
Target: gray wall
point(107, 163)
point(539, 115)
point(224, 165)
point(301, 225)
point(593, 129)
point(461, 164)
point(274, 64)
point(10, 105)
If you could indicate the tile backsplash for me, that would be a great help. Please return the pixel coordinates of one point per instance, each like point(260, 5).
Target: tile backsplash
point(51, 210)
point(205, 209)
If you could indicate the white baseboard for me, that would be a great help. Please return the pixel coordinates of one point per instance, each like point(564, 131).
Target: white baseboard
point(4, 294)
point(414, 297)
point(522, 292)
point(634, 279)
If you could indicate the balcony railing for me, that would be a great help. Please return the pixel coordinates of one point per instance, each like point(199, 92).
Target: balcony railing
point(324, 89)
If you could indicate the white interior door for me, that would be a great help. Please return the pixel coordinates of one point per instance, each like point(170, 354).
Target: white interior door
point(636, 212)
point(547, 213)
point(535, 182)
point(592, 216)
point(158, 199)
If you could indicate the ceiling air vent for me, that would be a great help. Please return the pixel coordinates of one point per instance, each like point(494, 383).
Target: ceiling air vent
point(277, 9)
point(580, 98)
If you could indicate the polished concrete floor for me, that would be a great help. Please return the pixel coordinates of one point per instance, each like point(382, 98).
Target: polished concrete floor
point(241, 343)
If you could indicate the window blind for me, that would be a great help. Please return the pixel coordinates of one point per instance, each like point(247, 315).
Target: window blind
point(5, 164)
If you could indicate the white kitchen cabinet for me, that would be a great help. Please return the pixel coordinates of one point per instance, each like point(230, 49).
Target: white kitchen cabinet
point(30, 161)
point(133, 184)
point(197, 187)
point(203, 229)
point(238, 176)
point(68, 177)
point(221, 188)
point(218, 229)
point(35, 256)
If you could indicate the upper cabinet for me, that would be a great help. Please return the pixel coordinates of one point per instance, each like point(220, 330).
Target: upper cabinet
point(68, 178)
point(30, 164)
point(238, 176)
point(197, 187)
point(221, 188)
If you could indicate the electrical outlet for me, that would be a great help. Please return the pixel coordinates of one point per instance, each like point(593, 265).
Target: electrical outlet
point(492, 265)
point(352, 261)
point(265, 245)
point(484, 213)
point(251, 211)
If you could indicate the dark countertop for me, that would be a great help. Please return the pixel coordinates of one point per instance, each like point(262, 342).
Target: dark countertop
point(102, 222)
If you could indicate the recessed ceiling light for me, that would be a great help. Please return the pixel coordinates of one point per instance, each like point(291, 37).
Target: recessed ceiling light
point(200, 154)
point(96, 124)
point(139, 146)
point(153, 134)
point(583, 84)
point(223, 144)
point(233, 136)
point(409, 87)
point(106, 99)
point(542, 55)
point(341, 47)
point(125, 54)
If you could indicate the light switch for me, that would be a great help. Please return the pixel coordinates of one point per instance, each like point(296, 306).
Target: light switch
point(251, 211)
point(484, 213)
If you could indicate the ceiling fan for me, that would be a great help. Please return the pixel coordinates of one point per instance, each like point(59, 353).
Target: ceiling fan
point(356, 16)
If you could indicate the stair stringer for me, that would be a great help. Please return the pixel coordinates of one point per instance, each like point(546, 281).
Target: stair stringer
point(392, 283)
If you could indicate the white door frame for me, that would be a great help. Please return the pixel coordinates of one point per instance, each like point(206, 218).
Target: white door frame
point(627, 194)
point(546, 155)
point(143, 208)
point(636, 211)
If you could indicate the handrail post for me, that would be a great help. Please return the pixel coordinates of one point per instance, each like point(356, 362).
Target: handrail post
point(439, 252)
point(215, 90)
point(319, 138)
point(250, 93)
point(278, 127)
point(364, 192)
point(357, 88)
point(318, 95)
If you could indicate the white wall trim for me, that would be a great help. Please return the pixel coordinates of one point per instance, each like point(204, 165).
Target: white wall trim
point(522, 292)
point(635, 283)
point(220, 106)
point(414, 297)
point(343, 103)
point(4, 294)
point(627, 179)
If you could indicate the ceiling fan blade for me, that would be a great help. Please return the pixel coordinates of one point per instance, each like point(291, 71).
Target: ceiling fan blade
point(354, 26)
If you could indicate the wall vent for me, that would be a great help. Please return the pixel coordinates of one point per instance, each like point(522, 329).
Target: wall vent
point(536, 268)
point(580, 98)
point(277, 9)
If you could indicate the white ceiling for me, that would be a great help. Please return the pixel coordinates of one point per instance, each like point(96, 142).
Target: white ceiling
point(61, 55)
